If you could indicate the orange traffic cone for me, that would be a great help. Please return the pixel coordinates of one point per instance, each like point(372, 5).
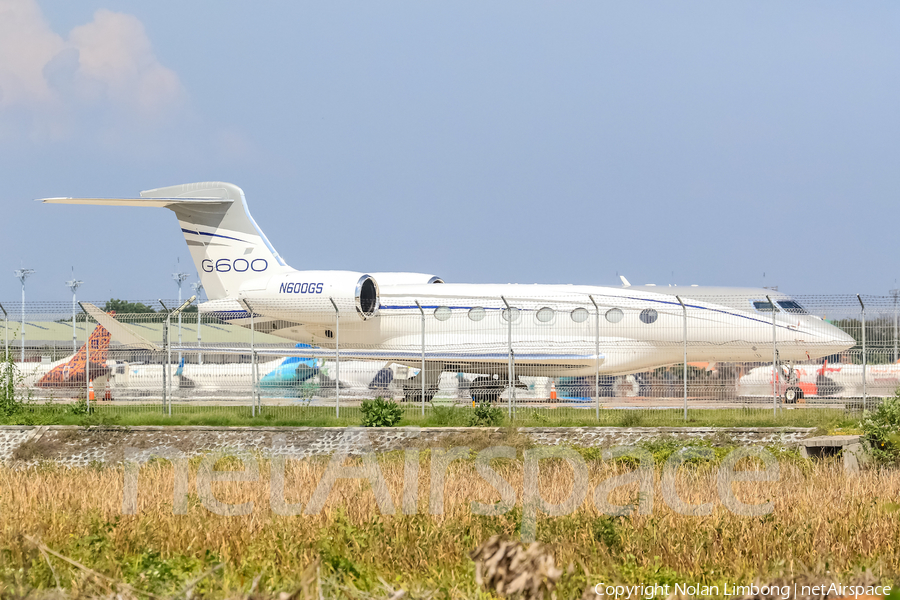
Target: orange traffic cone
point(91, 390)
point(552, 389)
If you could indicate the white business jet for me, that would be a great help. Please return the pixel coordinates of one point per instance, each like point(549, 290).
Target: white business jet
point(553, 330)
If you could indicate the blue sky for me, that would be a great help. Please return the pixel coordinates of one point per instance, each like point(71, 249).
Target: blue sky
point(530, 142)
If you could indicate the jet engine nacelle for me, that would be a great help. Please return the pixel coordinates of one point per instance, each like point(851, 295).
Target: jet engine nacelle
point(311, 296)
point(399, 278)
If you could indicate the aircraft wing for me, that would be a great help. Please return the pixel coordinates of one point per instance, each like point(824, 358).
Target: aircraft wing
point(401, 355)
point(118, 330)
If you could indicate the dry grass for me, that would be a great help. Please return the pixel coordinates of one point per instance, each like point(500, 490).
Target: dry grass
point(822, 520)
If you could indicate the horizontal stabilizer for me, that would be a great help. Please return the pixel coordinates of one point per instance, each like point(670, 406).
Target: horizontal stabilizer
point(118, 330)
point(218, 229)
point(145, 202)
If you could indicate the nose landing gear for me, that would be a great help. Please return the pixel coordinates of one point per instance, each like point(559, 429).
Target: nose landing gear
point(792, 395)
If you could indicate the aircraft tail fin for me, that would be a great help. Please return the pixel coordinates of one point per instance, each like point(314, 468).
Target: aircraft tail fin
point(228, 248)
point(312, 363)
point(73, 372)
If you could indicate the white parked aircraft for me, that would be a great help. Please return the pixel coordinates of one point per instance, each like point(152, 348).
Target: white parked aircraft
point(293, 377)
point(555, 330)
point(827, 380)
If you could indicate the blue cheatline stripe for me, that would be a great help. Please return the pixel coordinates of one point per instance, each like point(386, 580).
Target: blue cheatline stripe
point(212, 235)
point(667, 302)
point(414, 307)
point(715, 310)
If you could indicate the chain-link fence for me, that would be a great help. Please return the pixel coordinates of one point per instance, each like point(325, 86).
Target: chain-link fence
point(580, 352)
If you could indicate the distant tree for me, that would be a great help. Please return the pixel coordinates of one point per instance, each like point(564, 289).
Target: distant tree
point(125, 307)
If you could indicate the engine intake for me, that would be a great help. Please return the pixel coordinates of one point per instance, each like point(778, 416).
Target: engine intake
point(366, 296)
point(312, 296)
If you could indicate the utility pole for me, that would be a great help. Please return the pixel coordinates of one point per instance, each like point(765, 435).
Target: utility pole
point(22, 275)
point(179, 278)
point(198, 288)
point(74, 284)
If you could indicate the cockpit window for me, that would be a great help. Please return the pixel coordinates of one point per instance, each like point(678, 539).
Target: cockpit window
point(762, 305)
point(790, 306)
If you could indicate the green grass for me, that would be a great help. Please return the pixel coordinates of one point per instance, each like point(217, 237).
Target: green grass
point(438, 416)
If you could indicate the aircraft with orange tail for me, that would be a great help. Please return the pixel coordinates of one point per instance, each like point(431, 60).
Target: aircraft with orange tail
point(70, 373)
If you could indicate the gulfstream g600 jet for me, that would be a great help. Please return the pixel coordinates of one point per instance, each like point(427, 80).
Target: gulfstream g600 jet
point(552, 330)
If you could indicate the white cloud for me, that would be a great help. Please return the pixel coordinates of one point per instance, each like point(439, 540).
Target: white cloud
point(26, 45)
point(115, 52)
point(104, 68)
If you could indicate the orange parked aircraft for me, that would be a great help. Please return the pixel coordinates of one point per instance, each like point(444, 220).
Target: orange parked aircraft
point(71, 373)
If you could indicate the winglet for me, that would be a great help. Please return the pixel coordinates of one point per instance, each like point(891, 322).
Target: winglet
point(119, 331)
point(624, 281)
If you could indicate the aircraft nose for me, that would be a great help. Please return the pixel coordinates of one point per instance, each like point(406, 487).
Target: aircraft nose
point(838, 340)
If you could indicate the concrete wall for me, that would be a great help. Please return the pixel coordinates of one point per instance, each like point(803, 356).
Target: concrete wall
point(79, 446)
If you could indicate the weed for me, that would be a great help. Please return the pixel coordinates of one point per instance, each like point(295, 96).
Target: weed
point(380, 413)
point(10, 401)
point(447, 416)
point(631, 418)
point(882, 430)
point(606, 531)
point(79, 408)
point(485, 415)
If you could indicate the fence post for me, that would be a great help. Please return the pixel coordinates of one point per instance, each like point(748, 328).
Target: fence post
point(895, 293)
point(5, 333)
point(87, 366)
point(512, 370)
point(774, 361)
point(337, 359)
point(865, 360)
point(198, 287)
point(684, 341)
point(423, 356)
point(166, 375)
point(253, 379)
point(199, 340)
point(596, 351)
point(165, 370)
